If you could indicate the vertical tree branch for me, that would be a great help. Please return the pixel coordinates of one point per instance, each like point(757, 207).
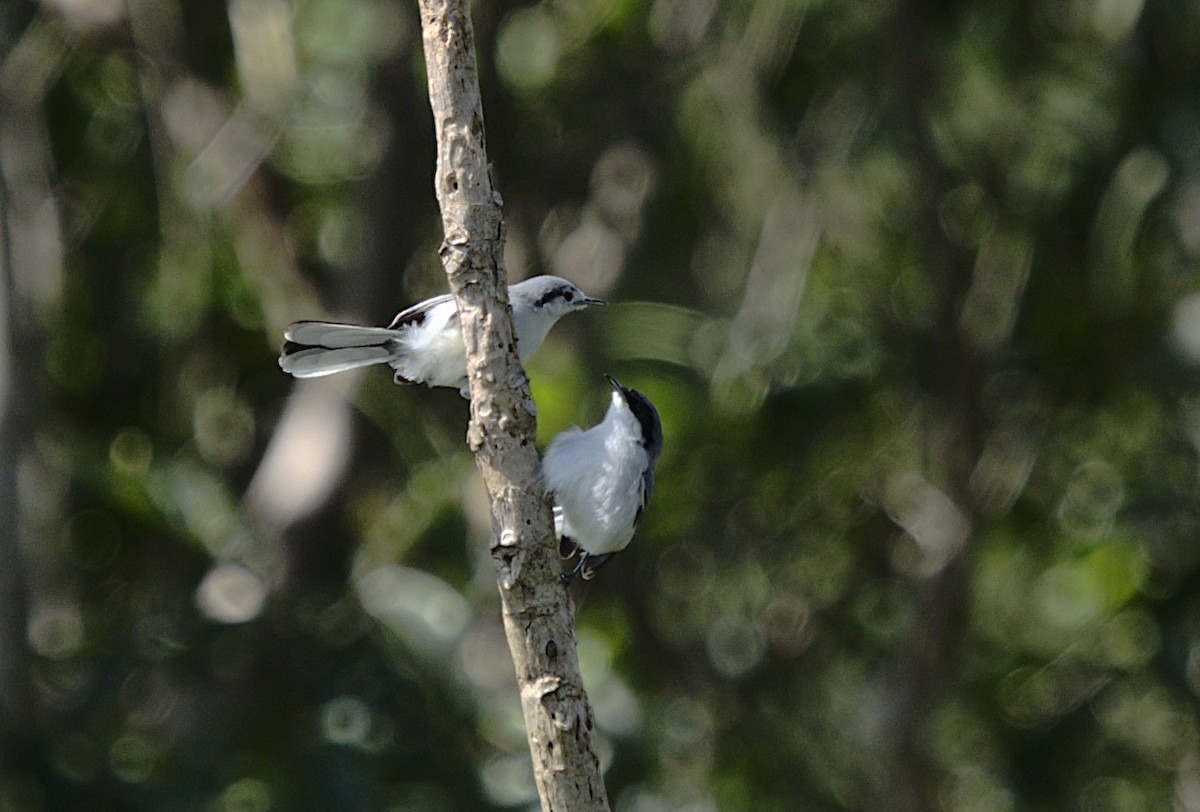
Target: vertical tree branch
point(16, 393)
point(538, 618)
point(29, 276)
point(929, 657)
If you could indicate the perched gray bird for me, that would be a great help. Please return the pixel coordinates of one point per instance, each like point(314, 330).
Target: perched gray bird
point(423, 344)
point(601, 479)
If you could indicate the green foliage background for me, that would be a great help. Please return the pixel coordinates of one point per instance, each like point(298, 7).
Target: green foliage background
point(913, 284)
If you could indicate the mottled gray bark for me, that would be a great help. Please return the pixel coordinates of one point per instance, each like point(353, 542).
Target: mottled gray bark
point(538, 616)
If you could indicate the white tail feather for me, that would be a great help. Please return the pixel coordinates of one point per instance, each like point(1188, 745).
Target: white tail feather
point(335, 336)
point(317, 361)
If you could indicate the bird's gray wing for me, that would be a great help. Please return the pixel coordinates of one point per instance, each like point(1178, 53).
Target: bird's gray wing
point(647, 489)
point(416, 313)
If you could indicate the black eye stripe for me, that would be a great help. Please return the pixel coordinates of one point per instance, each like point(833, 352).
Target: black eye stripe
point(555, 293)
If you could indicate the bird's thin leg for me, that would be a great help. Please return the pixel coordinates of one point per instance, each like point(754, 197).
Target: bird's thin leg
point(594, 562)
point(567, 577)
point(567, 548)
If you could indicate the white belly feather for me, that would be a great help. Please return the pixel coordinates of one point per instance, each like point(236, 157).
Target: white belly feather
point(432, 352)
point(596, 477)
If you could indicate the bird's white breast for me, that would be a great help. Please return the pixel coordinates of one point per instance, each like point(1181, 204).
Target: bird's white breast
point(596, 476)
point(531, 327)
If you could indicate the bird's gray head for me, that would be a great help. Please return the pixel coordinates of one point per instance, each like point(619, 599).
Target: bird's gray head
point(550, 295)
point(646, 414)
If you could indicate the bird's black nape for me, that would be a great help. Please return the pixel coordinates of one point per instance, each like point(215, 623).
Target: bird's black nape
point(646, 414)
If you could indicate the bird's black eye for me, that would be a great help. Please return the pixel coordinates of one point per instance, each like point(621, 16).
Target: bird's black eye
point(568, 295)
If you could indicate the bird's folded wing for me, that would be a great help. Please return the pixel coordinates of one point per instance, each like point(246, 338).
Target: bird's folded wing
point(647, 489)
point(417, 312)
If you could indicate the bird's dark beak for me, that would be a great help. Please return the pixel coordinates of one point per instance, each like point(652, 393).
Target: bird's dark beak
point(615, 383)
point(588, 301)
